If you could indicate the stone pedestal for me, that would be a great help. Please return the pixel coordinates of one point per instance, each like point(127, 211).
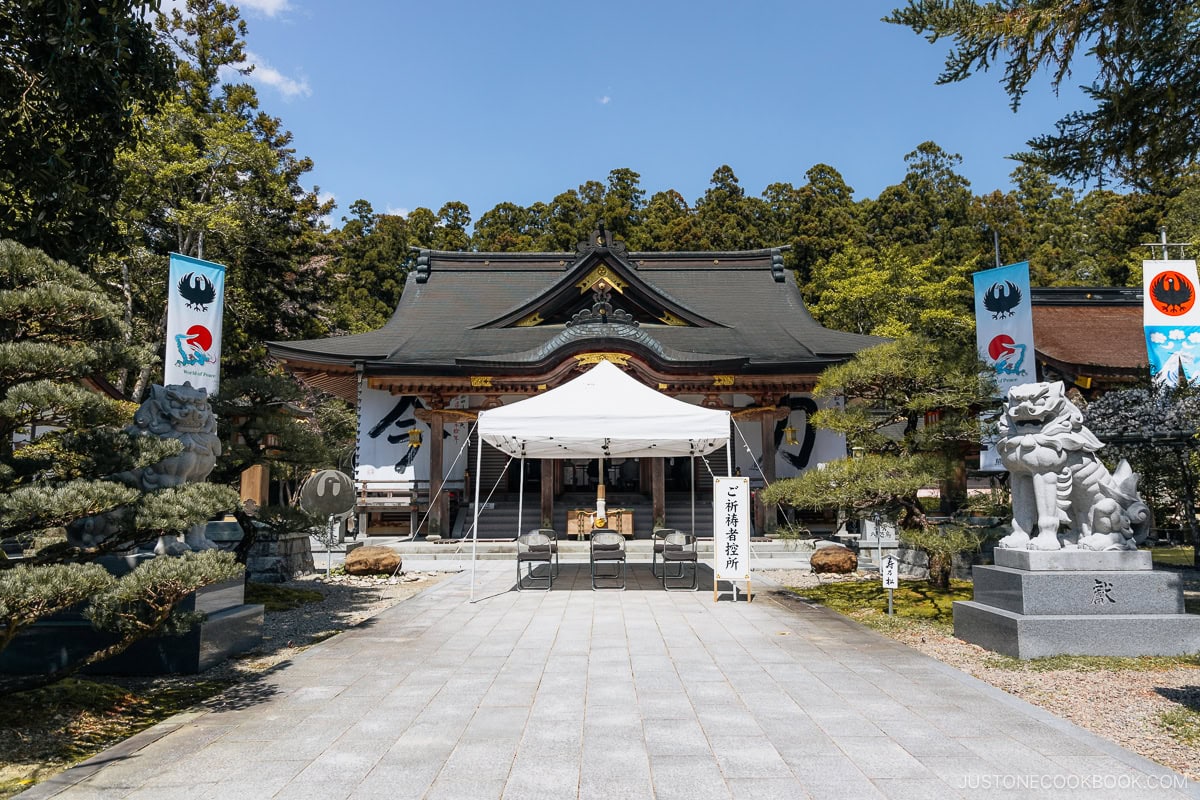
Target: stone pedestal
point(1077, 602)
point(277, 559)
point(230, 627)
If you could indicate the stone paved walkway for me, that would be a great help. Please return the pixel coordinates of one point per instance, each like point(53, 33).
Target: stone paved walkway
point(635, 694)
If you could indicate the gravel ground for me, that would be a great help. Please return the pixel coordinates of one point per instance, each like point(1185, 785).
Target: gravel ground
point(1123, 706)
point(348, 601)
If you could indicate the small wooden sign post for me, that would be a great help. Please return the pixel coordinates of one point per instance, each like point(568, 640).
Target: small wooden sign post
point(889, 573)
point(731, 534)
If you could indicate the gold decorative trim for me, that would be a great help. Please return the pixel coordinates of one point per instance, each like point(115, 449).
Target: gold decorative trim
point(481, 381)
point(722, 380)
point(670, 319)
point(601, 274)
point(753, 411)
point(662, 386)
point(530, 321)
point(456, 413)
point(585, 359)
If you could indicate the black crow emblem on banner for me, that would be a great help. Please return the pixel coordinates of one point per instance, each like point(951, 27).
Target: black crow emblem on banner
point(1172, 293)
point(197, 290)
point(1002, 299)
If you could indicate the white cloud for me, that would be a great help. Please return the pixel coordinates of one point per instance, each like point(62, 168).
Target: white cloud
point(1158, 338)
point(266, 7)
point(1176, 334)
point(396, 212)
point(1194, 337)
point(266, 75)
point(605, 100)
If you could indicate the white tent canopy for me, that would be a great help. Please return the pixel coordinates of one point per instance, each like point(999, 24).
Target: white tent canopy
point(603, 413)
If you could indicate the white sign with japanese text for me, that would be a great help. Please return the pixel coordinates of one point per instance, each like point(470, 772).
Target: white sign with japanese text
point(731, 529)
point(889, 572)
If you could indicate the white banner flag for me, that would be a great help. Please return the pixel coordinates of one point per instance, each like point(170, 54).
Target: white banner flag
point(1171, 318)
point(195, 307)
point(1004, 324)
point(731, 529)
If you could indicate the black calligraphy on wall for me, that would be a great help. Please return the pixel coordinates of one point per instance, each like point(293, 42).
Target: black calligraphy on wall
point(797, 458)
point(402, 419)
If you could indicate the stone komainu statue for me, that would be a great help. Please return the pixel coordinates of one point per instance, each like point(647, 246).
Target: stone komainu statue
point(170, 412)
point(1057, 478)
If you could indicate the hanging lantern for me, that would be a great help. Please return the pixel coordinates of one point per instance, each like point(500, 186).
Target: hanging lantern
point(414, 437)
point(789, 435)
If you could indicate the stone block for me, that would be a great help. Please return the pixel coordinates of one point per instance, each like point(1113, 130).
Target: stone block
point(1106, 560)
point(833, 559)
point(1028, 636)
point(372, 560)
point(1070, 592)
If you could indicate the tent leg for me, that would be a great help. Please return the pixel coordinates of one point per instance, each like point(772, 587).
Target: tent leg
point(521, 497)
point(475, 525)
point(693, 483)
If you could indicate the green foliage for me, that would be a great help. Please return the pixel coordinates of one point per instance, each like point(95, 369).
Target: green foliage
point(281, 520)
point(1142, 128)
point(71, 73)
point(894, 386)
point(1174, 556)
point(278, 598)
point(29, 593)
point(866, 601)
point(265, 418)
point(1093, 663)
point(1183, 724)
point(874, 482)
point(76, 471)
point(143, 601)
point(890, 293)
point(911, 406)
point(50, 729)
point(927, 213)
point(940, 544)
point(1156, 430)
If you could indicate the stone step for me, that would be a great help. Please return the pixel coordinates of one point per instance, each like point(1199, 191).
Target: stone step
point(637, 550)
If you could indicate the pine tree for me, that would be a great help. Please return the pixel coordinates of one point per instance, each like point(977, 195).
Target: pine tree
point(60, 440)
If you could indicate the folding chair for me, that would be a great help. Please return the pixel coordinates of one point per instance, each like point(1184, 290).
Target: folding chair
point(608, 547)
point(659, 536)
point(679, 549)
point(533, 549)
point(549, 532)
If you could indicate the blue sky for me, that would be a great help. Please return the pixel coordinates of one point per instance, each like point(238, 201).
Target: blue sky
point(415, 104)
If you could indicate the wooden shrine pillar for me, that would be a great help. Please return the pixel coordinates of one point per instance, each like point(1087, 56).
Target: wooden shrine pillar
point(551, 469)
point(658, 490)
point(440, 509)
point(765, 515)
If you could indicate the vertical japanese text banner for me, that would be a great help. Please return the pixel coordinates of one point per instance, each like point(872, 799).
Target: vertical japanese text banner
point(1004, 324)
point(195, 307)
point(1172, 321)
point(731, 529)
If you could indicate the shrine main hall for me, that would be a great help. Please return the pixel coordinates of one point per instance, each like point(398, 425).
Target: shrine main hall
point(476, 330)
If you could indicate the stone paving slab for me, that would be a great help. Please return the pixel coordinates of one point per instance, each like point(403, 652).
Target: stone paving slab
point(636, 694)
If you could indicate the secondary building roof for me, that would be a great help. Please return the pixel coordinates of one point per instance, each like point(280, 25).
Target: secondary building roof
point(1090, 336)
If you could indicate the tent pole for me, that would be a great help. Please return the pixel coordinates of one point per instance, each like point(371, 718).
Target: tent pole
point(475, 526)
point(601, 501)
point(521, 497)
point(693, 483)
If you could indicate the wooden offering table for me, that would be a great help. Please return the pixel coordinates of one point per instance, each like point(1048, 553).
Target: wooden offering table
point(581, 521)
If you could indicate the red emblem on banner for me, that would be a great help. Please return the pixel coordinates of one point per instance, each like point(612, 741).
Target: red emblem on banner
point(1172, 293)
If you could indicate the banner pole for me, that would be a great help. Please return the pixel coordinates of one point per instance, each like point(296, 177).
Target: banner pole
point(475, 524)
